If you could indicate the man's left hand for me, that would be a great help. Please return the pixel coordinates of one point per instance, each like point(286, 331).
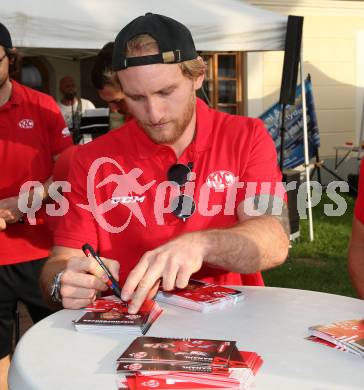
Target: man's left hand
point(2, 224)
point(9, 210)
point(173, 262)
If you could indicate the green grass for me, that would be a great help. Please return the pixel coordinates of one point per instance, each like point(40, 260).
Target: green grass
point(320, 265)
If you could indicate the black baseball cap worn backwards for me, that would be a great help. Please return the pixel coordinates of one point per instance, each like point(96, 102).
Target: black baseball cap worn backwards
point(173, 38)
point(5, 38)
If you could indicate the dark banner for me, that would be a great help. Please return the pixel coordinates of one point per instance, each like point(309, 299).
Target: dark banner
point(293, 143)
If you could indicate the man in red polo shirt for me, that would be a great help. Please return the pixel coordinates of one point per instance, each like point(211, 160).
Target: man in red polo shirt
point(356, 245)
point(172, 194)
point(32, 132)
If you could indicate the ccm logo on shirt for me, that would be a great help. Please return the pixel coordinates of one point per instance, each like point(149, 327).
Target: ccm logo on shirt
point(219, 180)
point(26, 123)
point(127, 199)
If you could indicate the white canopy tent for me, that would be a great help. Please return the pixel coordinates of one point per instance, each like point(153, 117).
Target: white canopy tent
point(78, 28)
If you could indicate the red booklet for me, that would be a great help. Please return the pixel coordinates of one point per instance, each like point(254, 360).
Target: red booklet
point(110, 314)
point(176, 381)
point(347, 334)
point(234, 378)
point(201, 296)
point(174, 350)
point(166, 363)
point(326, 343)
point(127, 367)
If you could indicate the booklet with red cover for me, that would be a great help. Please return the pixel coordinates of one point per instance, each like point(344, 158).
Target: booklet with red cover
point(110, 314)
point(232, 378)
point(127, 367)
point(175, 350)
point(182, 382)
point(169, 363)
point(327, 343)
point(201, 296)
point(348, 335)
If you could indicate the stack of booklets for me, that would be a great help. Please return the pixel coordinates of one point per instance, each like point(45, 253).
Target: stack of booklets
point(201, 296)
point(346, 335)
point(172, 363)
point(110, 314)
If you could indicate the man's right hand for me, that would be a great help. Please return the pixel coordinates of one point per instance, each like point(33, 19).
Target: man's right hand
point(82, 276)
point(82, 279)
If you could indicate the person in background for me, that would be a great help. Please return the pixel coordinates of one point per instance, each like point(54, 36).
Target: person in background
point(105, 81)
point(72, 106)
point(32, 133)
point(107, 84)
point(162, 203)
point(356, 245)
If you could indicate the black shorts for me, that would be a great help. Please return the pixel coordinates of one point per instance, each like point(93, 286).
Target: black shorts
point(19, 282)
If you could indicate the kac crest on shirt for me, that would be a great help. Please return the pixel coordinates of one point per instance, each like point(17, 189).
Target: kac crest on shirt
point(26, 123)
point(220, 180)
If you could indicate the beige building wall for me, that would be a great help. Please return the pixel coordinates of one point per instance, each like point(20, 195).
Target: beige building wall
point(332, 55)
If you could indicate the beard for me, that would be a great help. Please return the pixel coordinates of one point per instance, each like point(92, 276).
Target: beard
point(171, 131)
point(4, 79)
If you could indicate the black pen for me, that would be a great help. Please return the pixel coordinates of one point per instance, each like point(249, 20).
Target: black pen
point(112, 283)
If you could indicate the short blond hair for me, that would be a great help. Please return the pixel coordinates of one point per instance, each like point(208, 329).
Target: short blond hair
point(144, 44)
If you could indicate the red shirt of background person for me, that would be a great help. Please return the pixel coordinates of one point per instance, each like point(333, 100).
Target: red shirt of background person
point(170, 126)
point(356, 245)
point(359, 203)
point(60, 174)
point(33, 132)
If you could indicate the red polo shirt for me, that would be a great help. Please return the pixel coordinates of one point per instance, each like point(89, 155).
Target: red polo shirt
point(32, 131)
point(125, 171)
point(359, 204)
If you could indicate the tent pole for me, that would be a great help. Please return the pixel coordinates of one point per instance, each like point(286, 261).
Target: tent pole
point(305, 144)
point(361, 135)
point(283, 134)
